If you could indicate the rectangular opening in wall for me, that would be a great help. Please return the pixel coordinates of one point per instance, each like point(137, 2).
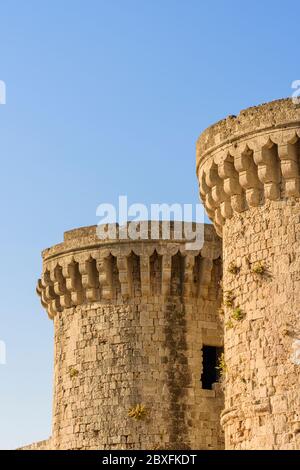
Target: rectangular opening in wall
point(210, 373)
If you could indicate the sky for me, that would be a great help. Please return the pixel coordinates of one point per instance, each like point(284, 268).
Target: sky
point(107, 98)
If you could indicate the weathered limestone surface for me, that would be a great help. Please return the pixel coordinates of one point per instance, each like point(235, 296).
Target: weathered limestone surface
point(249, 170)
point(130, 319)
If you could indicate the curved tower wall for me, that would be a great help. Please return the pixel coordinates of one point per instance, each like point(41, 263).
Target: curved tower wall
point(130, 319)
point(249, 171)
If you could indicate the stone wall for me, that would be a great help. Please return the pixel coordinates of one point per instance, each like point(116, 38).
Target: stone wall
point(262, 408)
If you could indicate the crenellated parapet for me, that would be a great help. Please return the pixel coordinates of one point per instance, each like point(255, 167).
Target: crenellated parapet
point(245, 160)
point(85, 269)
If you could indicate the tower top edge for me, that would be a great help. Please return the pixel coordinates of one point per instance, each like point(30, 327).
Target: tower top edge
point(274, 114)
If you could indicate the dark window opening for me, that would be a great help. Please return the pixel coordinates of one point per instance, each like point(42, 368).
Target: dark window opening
point(210, 373)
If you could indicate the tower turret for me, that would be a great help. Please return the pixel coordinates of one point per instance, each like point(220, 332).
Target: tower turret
point(130, 321)
point(249, 170)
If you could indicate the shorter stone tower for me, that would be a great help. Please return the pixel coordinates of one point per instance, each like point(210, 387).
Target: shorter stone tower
point(130, 322)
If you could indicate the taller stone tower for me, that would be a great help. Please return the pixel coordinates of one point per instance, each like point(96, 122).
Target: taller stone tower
point(131, 319)
point(249, 171)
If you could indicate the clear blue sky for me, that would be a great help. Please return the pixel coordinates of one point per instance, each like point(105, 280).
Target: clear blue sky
point(107, 97)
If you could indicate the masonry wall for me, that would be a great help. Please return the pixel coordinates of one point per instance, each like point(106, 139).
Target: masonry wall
point(262, 408)
point(128, 355)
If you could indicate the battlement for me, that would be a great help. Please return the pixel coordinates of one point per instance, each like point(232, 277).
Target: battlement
point(143, 230)
point(245, 160)
point(86, 269)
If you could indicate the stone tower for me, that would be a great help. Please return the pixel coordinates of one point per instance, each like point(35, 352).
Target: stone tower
point(249, 170)
point(130, 321)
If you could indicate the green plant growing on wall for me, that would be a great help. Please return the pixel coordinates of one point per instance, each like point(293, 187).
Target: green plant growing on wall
point(233, 268)
point(238, 314)
point(259, 268)
point(137, 412)
point(73, 372)
point(228, 298)
point(229, 324)
point(222, 367)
